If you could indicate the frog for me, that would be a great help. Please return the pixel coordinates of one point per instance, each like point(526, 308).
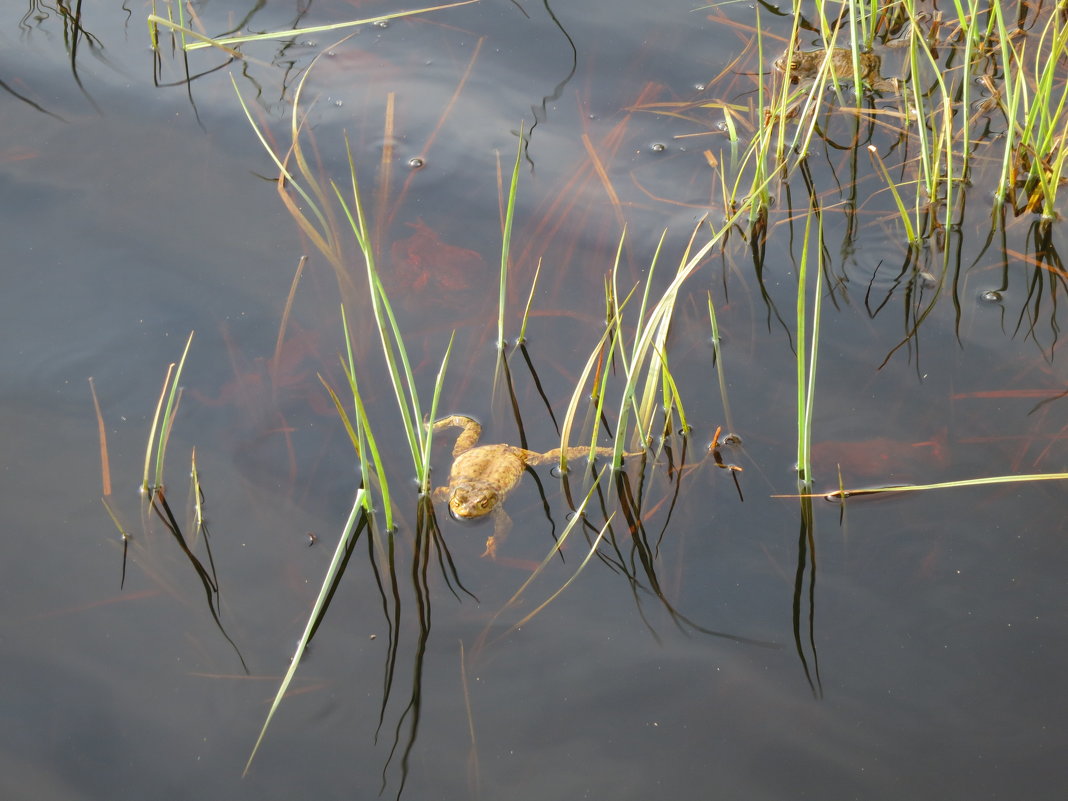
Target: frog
point(482, 475)
point(805, 66)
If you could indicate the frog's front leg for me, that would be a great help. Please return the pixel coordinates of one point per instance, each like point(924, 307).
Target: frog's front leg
point(502, 524)
point(468, 437)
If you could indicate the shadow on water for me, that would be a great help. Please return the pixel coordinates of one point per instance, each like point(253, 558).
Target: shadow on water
point(207, 575)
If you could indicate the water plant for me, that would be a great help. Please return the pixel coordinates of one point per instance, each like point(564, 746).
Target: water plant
point(175, 22)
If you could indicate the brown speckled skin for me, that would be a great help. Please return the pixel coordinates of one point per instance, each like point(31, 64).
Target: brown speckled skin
point(481, 477)
point(805, 66)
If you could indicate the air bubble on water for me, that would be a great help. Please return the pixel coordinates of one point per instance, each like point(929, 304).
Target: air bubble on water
point(990, 296)
point(339, 103)
point(382, 23)
point(700, 87)
point(658, 147)
point(415, 162)
point(722, 126)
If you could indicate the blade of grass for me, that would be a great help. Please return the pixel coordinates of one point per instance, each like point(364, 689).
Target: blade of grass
point(720, 374)
point(969, 482)
point(903, 213)
point(429, 438)
point(169, 412)
point(506, 241)
point(365, 436)
point(317, 610)
point(804, 471)
point(530, 300)
point(393, 348)
point(297, 32)
point(145, 486)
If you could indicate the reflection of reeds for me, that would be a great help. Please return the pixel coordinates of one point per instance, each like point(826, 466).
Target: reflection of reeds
point(154, 497)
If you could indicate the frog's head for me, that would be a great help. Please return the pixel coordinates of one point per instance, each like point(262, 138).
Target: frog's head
point(472, 499)
point(790, 59)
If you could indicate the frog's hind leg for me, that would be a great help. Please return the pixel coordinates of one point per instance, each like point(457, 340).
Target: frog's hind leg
point(468, 437)
point(502, 524)
point(574, 452)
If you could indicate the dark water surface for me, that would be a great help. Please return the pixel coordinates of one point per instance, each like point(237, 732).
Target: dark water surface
point(912, 647)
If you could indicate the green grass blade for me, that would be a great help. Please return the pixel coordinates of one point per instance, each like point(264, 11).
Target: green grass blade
point(530, 301)
point(393, 349)
point(145, 486)
point(506, 240)
point(969, 482)
point(903, 213)
point(365, 436)
point(297, 32)
point(169, 412)
point(429, 438)
point(720, 373)
point(317, 609)
point(205, 41)
point(810, 387)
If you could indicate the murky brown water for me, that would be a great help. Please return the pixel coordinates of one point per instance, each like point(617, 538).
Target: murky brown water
point(916, 642)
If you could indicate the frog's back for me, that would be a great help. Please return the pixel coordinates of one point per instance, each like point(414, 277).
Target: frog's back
point(499, 466)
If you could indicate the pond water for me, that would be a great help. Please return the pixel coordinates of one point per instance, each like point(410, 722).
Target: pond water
point(737, 644)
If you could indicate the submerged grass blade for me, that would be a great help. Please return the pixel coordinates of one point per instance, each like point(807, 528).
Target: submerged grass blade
point(102, 434)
